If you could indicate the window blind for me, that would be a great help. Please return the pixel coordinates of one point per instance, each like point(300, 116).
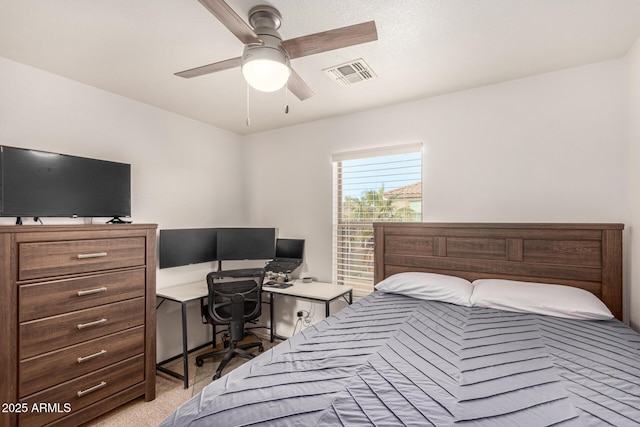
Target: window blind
point(383, 184)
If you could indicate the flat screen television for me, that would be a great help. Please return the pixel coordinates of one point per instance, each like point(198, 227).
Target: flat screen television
point(41, 184)
point(246, 243)
point(186, 246)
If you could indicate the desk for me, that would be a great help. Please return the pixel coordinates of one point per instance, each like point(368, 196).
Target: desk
point(314, 291)
point(183, 294)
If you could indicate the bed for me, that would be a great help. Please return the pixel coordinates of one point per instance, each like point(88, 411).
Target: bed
point(394, 359)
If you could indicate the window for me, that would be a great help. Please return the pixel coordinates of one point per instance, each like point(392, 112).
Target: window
point(371, 186)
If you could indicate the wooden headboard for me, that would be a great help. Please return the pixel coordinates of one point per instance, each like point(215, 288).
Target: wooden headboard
point(587, 256)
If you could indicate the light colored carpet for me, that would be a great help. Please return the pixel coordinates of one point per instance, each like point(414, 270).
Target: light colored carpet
point(204, 373)
point(169, 394)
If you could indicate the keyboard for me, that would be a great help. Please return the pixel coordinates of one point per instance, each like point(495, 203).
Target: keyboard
point(283, 265)
point(273, 284)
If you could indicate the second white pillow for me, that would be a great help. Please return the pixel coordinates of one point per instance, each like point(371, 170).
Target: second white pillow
point(538, 298)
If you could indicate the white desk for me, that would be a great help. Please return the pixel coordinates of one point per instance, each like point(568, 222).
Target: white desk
point(185, 293)
point(314, 291)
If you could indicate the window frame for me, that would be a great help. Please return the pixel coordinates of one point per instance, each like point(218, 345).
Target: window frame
point(340, 226)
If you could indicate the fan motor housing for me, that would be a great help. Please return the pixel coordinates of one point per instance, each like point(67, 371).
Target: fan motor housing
point(265, 16)
point(265, 21)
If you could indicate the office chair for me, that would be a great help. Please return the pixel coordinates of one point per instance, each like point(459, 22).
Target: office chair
point(234, 299)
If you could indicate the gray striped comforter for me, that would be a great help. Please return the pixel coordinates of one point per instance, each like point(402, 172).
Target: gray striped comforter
point(390, 360)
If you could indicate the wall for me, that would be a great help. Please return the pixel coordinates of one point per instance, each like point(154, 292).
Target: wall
point(544, 148)
point(548, 148)
point(177, 178)
point(632, 265)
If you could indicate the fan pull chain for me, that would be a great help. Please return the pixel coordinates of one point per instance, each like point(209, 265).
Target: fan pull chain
point(248, 120)
point(286, 98)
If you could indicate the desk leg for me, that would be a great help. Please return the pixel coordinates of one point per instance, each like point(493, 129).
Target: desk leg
point(326, 308)
point(185, 350)
point(272, 325)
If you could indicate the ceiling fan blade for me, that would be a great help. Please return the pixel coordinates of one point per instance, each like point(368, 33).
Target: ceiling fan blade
point(298, 87)
point(210, 68)
point(230, 19)
point(330, 40)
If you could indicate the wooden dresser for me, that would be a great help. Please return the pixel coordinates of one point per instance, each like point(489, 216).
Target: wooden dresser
point(77, 321)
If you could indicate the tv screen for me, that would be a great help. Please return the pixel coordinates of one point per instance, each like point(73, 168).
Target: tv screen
point(41, 184)
point(187, 246)
point(290, 248)
point(246, 243)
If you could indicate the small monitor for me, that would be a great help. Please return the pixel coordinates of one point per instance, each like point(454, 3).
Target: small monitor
point(187, 246)
point(290, 248)
point(246, 243)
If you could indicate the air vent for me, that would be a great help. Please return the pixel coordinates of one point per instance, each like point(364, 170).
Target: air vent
point(350, 72)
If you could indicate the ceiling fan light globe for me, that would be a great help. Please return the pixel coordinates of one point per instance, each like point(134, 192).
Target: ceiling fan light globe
point(265, 69)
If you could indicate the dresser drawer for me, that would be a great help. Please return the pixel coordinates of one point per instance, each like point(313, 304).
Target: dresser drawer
point(52, 368)
point(52, 333)
point(38, 260)
point(62, 296)
point(83, 391)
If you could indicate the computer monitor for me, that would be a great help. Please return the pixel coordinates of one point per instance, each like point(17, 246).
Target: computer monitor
point(289, 248)
point(245, 243)
point(187, 246)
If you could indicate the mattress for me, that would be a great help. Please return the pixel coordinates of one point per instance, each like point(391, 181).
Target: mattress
point(391, 360)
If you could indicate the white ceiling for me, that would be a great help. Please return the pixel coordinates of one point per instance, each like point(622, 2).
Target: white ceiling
point(424, 48)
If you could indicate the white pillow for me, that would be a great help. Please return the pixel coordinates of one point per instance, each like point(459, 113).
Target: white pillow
point(429, 286)
point(539, 298)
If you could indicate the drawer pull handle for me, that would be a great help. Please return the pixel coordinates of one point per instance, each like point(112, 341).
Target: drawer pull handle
point(92, 291)
point(88, 325)
point(92, 356)
point(94, 255)
point(92, 389)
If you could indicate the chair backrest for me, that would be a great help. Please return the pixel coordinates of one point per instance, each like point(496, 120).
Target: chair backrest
point(235, 298)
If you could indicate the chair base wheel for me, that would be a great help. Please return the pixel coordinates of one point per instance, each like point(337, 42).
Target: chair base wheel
point(199, 362)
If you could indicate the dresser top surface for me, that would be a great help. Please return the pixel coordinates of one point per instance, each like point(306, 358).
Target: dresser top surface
point(72, 227)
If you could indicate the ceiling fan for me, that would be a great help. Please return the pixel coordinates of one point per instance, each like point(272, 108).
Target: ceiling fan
point(265, 60)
